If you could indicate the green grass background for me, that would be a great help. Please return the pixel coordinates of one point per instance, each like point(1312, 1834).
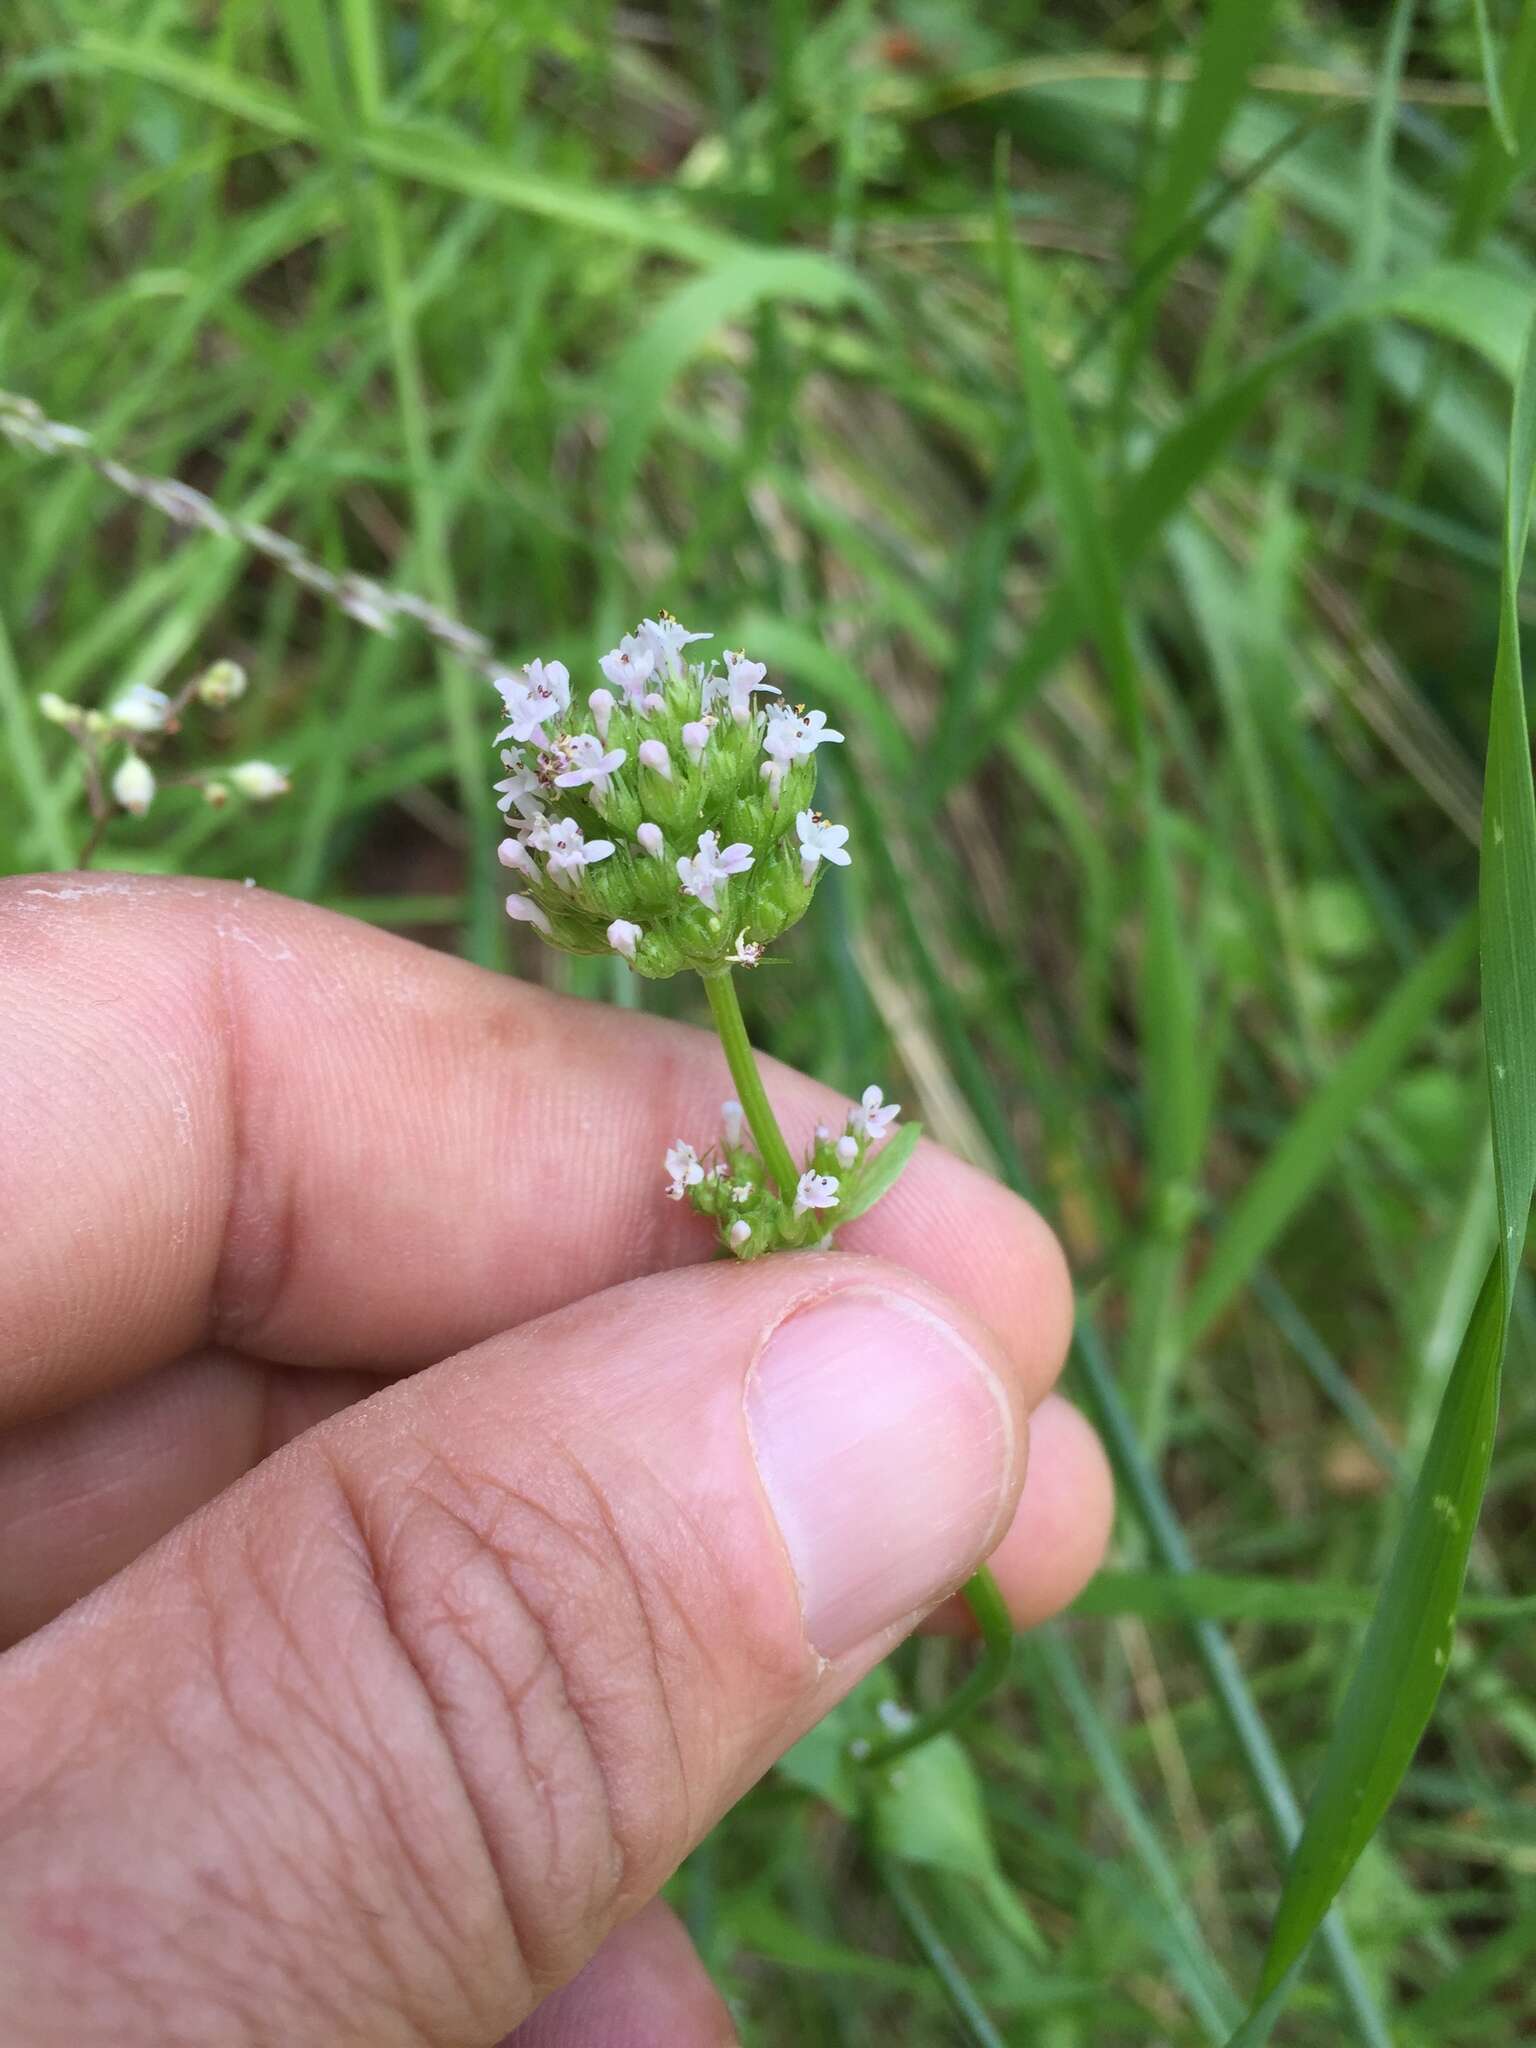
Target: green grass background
point(1105, 411)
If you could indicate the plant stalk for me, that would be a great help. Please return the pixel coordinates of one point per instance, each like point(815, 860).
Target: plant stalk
point(984, 1598)
point(750, 1092)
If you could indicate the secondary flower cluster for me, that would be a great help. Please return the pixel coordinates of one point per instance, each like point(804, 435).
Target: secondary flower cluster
point(668, 815)
point(135, 725)
point(728, 1183)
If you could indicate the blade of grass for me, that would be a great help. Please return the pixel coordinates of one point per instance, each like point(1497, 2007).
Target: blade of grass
point(1403, 1659)
point(1298, 1163)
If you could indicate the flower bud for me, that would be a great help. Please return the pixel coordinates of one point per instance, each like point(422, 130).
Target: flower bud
point(653, 755)
point(513, 854)
point(696, 739)
point(54, 708)
point(259, 780)
point(602, 705)
point(216, 795)
point(651, 841)
point(847, 1151)
point(133, 786)
point(223, 683)
point(624, 937)
point(734, 1118)
point(140, 709)
point(740, 1233)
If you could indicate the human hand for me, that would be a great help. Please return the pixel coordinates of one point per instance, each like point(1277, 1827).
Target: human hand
point(400, 1685)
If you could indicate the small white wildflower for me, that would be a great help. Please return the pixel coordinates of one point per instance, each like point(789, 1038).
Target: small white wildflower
point(816, 1191)
point(222, 684)
point(543, 691)
point(746, 954)
point(653, 755)
point(696, 739)
point(820, 841)
point(602, 704)
point(630, 666)
point(513, 854)
point(589, 763)
point(140, 709)
point(258, 780)
point(742, 678)
point(666, 639)
point(526, 911)
point(569, 851)
point(792, 735)
point(133, 786)
point(624, 937)
point(734, 1117)
point(649, 839)
point(684, 1166)
point(873, 1116)
point(847, 1152)
point(702, 873)
point(740, 1234)
point(520, 790)
point(741, 1193)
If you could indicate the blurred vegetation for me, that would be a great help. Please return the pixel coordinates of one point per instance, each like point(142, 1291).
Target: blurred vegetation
point(1105, 410)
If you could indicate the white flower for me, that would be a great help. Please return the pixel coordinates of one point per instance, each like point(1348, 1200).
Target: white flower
point(630, 666)
point(653, 755)
point(740, 1233)
point(602, 706)
point(820, 841)
point(685, 1169)
point(526, 911)
point(666, 639)
point(792, 735)
point(734, 1118)
point(847, 1152)
point(542, 691)
point(742, 678)
point(650, 841)
point(569, 851)
point(741, 1194)
point(140, 709)
point(816, 1191)
point(589, 763)
point(520, 790)
point(745, 955)
point(624, 937)
point(513, 854)
point(258, 780)
point(873, 1116)
point(133, 786)
point(696, 739)
point(702, 873)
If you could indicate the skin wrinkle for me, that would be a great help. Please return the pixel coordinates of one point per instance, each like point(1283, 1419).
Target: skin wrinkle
point(378, 1550)
point(311, 1702)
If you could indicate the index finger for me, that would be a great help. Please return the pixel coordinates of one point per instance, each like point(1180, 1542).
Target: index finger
point(229, 1118)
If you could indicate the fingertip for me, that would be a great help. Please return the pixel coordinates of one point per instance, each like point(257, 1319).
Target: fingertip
point(645, 1988)
point(1061, 1529)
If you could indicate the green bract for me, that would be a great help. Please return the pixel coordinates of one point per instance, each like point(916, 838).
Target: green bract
point(665, 815)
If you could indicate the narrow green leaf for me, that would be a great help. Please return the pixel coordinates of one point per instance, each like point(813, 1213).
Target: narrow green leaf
point(1407, 1647)
point(1498, 113)
point(656, 354)
point(880, 1175)
point(1304, 1156)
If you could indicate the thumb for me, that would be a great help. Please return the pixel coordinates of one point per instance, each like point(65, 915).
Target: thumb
point(379, 1746)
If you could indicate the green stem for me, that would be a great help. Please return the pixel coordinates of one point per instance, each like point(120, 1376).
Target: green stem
point(750, 1092)
point(986, 1602)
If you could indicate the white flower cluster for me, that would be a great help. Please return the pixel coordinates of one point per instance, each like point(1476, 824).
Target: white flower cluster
point(668, 817)
point(750, 1216)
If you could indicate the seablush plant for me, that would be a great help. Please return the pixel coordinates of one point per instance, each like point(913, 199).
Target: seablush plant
point(668, 816)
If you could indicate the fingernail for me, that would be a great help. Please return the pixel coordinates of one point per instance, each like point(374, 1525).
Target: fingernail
point(885, 1442)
